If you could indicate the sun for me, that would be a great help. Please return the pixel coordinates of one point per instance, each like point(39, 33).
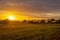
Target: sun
point(11, 17)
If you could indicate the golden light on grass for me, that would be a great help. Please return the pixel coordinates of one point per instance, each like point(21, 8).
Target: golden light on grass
point(11, 17)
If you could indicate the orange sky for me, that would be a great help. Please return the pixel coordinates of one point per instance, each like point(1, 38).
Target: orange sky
point(16, 15)
point(30, 9)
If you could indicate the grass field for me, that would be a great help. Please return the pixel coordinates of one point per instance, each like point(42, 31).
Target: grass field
point(30, 32)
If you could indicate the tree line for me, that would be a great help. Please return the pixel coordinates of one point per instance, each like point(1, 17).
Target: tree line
point(50, 21)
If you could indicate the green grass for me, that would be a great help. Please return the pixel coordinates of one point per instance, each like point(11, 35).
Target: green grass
point(30, 32)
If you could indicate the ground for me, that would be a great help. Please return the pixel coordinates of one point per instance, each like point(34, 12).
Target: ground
point(30, 32)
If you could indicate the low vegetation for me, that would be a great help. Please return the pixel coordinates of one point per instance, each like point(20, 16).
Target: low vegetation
point(30, 32)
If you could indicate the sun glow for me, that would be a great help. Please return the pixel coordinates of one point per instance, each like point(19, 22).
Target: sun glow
point(11, 18)
point(12, 15)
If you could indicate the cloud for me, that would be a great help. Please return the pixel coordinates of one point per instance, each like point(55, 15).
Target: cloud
point(40, 7)
point(35, 5)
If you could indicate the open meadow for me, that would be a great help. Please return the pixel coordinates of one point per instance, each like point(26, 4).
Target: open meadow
point(30, 32)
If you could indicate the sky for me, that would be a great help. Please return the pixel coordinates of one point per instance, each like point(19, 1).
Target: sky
point(31, 8)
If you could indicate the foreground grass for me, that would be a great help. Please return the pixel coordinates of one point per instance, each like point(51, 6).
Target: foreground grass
point(30, 32)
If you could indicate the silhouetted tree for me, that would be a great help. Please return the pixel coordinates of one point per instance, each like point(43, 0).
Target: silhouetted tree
point(42, 21)
point(25, 21)
point(58, 21)
point(1, 21)
point(51, 21)
point(5, 21)
point(38, 21)
point(31, 21)
point(48, 21)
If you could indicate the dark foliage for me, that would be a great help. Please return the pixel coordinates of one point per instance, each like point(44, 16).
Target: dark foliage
point(50, 21)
